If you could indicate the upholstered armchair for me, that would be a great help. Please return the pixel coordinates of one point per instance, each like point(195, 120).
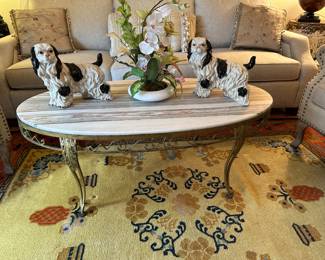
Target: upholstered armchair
point(312, 106)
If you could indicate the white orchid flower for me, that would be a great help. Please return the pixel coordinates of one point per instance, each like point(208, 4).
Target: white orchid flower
point(165, 10)
point(143, 62)
point(155, 23)
point(150, 44)
point(164, 40)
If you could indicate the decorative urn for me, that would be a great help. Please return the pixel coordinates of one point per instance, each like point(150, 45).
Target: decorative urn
point(311, 6)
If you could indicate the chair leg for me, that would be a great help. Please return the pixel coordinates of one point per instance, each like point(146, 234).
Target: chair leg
point(5, 157)
point(301, 127)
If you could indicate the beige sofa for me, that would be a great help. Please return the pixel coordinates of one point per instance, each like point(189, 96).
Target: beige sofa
point(283, 75)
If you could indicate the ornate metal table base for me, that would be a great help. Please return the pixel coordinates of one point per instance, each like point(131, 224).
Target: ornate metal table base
point(70, 151)
point(69, 147)
point(239, 141)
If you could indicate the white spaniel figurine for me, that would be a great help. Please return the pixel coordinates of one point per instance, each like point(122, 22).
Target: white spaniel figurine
point(212, 72)
point(64, 79)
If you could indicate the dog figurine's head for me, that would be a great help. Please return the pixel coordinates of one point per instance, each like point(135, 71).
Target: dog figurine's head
point(200, 46)
point(45, 53)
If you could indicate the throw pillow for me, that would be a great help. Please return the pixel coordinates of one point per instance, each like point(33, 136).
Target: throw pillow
point(258, 27)
point(42, 25)
point(215, 19)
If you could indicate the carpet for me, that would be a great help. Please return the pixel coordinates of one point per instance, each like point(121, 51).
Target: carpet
point(163, 205)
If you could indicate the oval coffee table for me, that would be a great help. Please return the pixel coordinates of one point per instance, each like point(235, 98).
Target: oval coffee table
point(127, 125)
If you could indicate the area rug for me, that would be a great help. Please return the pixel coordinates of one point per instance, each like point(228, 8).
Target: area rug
point(167, 205)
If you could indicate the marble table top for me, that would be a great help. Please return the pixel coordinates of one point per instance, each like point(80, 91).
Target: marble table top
point(127, 117)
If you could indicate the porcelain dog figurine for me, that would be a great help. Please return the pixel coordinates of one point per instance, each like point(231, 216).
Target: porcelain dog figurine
point(212, 73)
point(64, 79)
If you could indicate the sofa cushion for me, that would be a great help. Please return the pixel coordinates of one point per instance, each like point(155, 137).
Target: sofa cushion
point(88, 21)
point(270, 66)
point(216, 19)
point(21, 75)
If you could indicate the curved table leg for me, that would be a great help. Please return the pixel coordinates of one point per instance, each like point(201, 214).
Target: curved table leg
point(70, 153)
point(239, 141)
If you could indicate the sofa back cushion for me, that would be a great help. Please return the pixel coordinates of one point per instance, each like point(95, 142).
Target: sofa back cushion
point(215, 19)
point(88, 20)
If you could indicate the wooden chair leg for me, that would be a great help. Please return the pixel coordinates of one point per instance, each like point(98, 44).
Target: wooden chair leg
point(5, 157)
point(301, 127)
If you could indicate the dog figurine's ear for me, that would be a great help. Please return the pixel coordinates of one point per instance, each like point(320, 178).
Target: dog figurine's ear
point(55, 51)
point(209, 45)
point(58, 64)
point(34, 60)
point(189, 50)
point(208, 56)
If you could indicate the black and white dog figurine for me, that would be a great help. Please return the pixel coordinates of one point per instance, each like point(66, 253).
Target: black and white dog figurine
point(212, 72)
point(64, 79)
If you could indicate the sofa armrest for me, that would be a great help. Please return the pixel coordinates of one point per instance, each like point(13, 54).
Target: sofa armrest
point(296, 46)
point(7, 50)
point(7, 53)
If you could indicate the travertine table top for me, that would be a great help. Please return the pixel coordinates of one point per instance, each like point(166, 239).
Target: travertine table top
point(124, 116)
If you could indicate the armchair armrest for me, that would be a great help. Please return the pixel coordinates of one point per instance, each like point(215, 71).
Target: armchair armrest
point(7, 53)
point(312, 106)
point(296, 46)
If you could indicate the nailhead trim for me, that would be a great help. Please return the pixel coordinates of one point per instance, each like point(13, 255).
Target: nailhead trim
point(309, 90)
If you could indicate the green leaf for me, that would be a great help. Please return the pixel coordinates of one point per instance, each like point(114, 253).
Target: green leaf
point(136, 87)
point(152, 70)
point(137, 72)
point(127, 75)
point(171, 80)
point(120, 9)
point(142, 14)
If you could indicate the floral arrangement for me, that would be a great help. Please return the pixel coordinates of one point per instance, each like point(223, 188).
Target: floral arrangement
point(147, 46)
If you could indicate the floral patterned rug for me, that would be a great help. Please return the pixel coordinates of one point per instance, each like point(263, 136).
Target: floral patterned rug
point(167, 205)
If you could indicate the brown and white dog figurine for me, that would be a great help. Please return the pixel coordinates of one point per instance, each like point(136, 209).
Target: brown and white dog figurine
point(212, 72)
point(64, 79)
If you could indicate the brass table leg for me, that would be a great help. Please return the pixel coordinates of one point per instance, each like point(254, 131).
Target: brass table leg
point(70, 153)
point(239, 141)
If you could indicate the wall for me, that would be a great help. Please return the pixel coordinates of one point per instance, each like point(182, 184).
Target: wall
point(292, 6)
point(7, 5)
